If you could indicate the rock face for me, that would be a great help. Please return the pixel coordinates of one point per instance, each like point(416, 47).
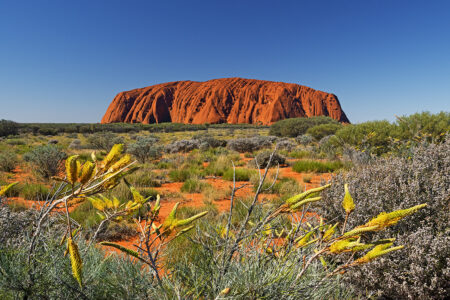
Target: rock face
point(228, 100)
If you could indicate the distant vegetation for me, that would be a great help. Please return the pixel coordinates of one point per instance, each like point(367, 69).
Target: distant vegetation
point(289, 242)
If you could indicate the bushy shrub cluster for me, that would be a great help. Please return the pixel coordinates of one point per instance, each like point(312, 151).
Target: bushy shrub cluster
point(320, 131)
point(298, 126)
point(104, 140)
point(8, 128)
point(251, 144)
point(182, 146)
point(262, 160)
point(75, 144)
point(304, 139)
point(316, 166)
point(422, 269)
point(47, 160)
point(285, 144)
point(146, 148)
point(8, 161)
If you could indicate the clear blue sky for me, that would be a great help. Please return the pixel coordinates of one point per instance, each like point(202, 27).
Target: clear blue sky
point(64, 61)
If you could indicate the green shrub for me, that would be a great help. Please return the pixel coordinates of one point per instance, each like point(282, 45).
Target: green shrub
point(104, 140)
point(8, 128)
point(423, 123)
point(303, 166)
point(47, 160)
point(146, 148)
point(422, 269)
point(33, 191)
point(193, 185)
point(298, 126)
point(241, 174)
point(8, 161)
point(320, 131)
point(262, 160)
point(301, 154)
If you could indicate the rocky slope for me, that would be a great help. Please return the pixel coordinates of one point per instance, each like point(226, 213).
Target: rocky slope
point(228, 100)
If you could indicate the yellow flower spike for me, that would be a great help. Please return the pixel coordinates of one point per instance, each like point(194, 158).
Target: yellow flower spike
point(108, 203)
point(87, 172)
point(293, 200)
point(4, 189)
point(348, 203)
point(384, 220)
point(93, 156)
point(330, 232)
point(183, 231)
point(377, 251)
point(72, 168)
point(125, 160)
point(75, 260)
point(115, 202)
point(190, 220)
point(157, 206)
point(121, 248)
point(360, 229)
point(301, 241)
point(344, 245)
point(112, 156)
point(296, 206)
point(97, 203)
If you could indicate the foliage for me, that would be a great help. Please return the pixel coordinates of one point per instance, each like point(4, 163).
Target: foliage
point(250, 144)
point(145, 149)
point(193, 185)
point(8, 128)
point(320, 131)
point(263, 158)
point(34, 191)
point(240, 174)
point(47, 160)
point(298, 126)
point(302, 166)
point(104, 140)
point(304, 139)
point(8, 161)
point(182, 146)
point(421, 270)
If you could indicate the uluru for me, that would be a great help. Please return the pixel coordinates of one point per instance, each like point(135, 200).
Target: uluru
point(227, 100)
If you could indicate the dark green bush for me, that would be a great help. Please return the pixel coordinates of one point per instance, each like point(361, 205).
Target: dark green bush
point(241, 174)
point(8, 128)
point(46, 159)
point(320, 131)
point(302, 166)
point(298, 126)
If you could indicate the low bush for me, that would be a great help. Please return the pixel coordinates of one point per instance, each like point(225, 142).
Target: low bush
point(34, 191)
point(146, 148)
point(251, 144)
point(285, 144)
point(422, 269)
point(262, 160)
point(8, 161)
point(304, 166)
point(298, 126)
point(320, 131)
point(182, 146)
point(241, 174)
point(304, 139)
point(47, 160)
point(193, 185)
point(75, 144)
point(182, 175)
point(104, 140)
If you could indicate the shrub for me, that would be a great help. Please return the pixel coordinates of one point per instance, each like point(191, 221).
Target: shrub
point(250, 144)
point(75, 144)
point(262, 160)
point(423, 123)
point(320, 131)
point(193, 185)
point(145, 148)
point(298, 126)
point(47, 160)
point(241, 174)
point(8, 161)
point(8, 128)
point(285, 145)
point(210, 142)
point(182, 146)
point(304, 139)
point(34, 191)
point(421, 270)
point(182, 175)
point(302, 166)
point(104, 140)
